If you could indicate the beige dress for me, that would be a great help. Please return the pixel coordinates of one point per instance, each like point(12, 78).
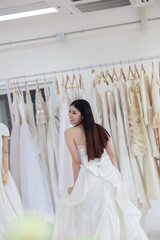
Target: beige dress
point(138, 142)
point(41, 120)
point(151, 176)
point(148, 111)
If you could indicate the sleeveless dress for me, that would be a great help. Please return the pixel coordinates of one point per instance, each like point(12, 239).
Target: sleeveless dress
point(52, 147)
point(41, 120)
point(34, 187)
point(143, 203)
point(30, 114)
point(10, 201)
point(98, 207)
point(65, 170)
point(15, 143)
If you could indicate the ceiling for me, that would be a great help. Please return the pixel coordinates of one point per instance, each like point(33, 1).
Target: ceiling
point(68, 6)
point(70, 18)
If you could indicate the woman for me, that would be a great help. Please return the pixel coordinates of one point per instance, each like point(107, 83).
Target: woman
point(97, 206)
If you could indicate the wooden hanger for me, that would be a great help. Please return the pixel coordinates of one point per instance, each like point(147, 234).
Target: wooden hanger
point(114, 74)
point(136, 72)
point(14, 86)
point(18, 87)
point(26, 86)
point(75, 80)
point(122, 75)
point(68, 80)
point(100, 77)
point(130, 72)
point(106, 75)
point(37, 86)
point(57, 87)
point(80, 80)
point(62, 80)
point(142, 68)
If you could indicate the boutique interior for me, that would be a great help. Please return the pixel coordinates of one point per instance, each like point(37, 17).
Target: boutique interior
point(104, 51)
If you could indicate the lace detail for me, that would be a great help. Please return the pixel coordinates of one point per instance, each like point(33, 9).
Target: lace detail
point(156, 120)
point(41, 116)
point(138, 143)
point(30, 117)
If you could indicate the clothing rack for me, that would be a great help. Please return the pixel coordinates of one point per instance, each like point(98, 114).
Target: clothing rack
point(106, 64)
point(44, 74)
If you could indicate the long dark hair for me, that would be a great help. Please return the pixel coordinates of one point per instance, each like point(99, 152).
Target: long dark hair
point(96, 135)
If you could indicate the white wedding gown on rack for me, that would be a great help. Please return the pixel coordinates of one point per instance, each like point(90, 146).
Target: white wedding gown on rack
point(15, 143)
point(98, 207)
point(10, 201)
point(34, 187)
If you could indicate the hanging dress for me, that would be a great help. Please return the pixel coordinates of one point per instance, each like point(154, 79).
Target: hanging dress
point(142, 202)
point(34, 187)
point(52, 147)
point(113, 124)
point(15, 144)
point(98, 207)
point(10, 201)
point(155, 96)
point(41, 121)
point(123, 157)
point(30, 114)
point(65, 170)
point(137, 139)
point(148, 111)
point(151, 176)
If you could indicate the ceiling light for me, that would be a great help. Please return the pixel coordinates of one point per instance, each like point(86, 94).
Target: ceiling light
point(28, 14)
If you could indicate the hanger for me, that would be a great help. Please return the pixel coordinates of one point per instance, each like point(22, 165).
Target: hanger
point(74, 80)
point(62, 80)
point(57, 86)
point(100, 77)
point(142, 68)
point(68, 80)
point(136, 72)
point(18, 87)
point(37, 86)
point(26, 86)
point(114, 74)
point(80, 80)
point(14, 86)
point(106, 75)
point(130, 72)
point(122, 75)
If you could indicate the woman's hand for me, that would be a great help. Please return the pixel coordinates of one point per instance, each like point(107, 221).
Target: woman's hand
point(4, 178)
point(70, 190)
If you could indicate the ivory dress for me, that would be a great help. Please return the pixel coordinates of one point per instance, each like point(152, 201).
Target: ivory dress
point(30, 114)
point(151, 176)
point(10, 201)
point(34, 187)
point(142, 202)
point(98, 207)
point(41, 121)
point(123, 156)
point(15, 144)
point(65, 170)
point(113, 123)
point(155, 95)
point(52, 147)
point(148, 111)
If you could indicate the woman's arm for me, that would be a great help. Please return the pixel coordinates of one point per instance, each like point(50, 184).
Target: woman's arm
point(5, 160)
point(110, 152)
point(74, 154)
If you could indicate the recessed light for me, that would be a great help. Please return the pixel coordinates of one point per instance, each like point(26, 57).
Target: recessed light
point(27, 14)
